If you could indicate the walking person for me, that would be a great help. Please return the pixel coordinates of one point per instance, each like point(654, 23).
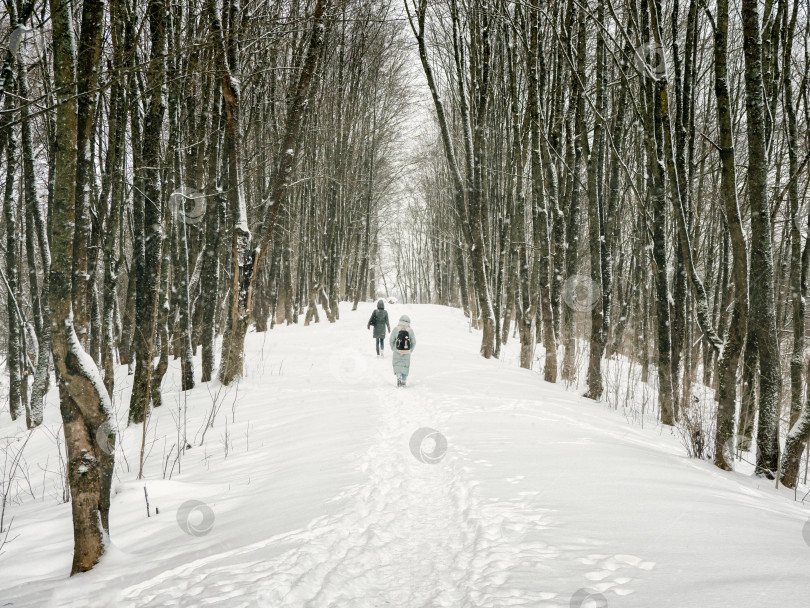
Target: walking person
point(379, 319)
point(403, 342)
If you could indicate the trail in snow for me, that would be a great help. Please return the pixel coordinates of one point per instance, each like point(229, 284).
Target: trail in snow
point(542, 499)
point(414, 534)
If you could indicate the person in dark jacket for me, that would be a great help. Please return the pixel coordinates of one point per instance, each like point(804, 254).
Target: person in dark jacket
point(379, 320)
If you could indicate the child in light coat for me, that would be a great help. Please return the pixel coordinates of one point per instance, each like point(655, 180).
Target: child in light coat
point(403, 342)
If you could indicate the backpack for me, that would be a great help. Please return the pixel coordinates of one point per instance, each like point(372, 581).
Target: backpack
point(403, 340)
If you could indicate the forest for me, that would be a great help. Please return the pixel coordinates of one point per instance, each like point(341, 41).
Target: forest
point(603, 182)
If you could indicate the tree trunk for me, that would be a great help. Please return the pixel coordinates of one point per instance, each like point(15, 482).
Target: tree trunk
point(36, 232)
point(539, 202)
point(577, 135)
point(762, 271)
point(729, 363)
point(84, 402)
point(800, 417)
point(16, 322)
point(596, 240)
point(149, 217)
point(246, 261)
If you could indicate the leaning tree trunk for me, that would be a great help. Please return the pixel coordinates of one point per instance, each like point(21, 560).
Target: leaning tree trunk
point(247, 262)
point(417, 23)
point(84, 402)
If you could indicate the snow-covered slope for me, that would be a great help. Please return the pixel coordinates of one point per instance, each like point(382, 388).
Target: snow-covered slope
point(313, 489)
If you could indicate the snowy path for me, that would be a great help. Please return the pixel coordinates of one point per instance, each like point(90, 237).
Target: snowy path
point(531, 496)
point(412, 535)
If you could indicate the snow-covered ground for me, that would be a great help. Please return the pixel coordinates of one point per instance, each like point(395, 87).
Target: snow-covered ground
point(313, 489)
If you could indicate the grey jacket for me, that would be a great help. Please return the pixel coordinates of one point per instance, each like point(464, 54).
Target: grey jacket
point(379, 320)
point(402, 359)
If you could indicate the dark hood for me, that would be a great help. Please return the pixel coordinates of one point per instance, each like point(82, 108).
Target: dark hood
point(380, 304)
